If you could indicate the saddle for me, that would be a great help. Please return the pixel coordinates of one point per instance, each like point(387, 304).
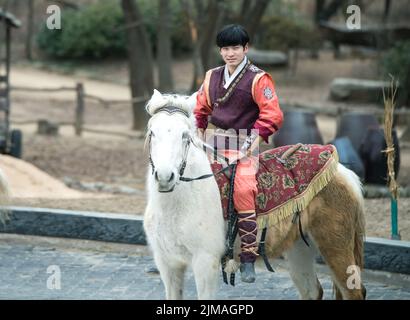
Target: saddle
point(288, 178)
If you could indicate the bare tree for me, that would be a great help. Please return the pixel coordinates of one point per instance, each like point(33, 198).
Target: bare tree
point(29, 34)
point(386, 11)
point(205, 18)
point(196, 56)
point(252, 15)
point(164, 49)
point(208, 30)
point(204, 22)
point(245, 7)
point(140, 61)
point(325, 10)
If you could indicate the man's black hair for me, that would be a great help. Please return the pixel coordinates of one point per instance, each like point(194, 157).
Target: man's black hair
point(232, 35)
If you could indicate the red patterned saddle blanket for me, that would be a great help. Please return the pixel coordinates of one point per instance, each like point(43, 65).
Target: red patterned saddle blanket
point(288, 178)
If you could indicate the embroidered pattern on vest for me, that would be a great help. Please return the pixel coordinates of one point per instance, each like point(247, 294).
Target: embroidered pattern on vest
point(254, 68)
point(232, 86)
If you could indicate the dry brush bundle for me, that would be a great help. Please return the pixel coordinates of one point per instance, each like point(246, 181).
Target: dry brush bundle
point(389, 104)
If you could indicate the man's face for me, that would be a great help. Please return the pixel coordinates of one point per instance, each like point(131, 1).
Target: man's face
point(233, 55)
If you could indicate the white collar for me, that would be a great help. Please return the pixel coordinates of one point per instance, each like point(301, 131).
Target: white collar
point(239, 68)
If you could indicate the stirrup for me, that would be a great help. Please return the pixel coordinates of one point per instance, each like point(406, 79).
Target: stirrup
point(248, 272)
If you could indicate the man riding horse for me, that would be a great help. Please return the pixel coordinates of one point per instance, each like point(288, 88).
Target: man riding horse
point(242, 97)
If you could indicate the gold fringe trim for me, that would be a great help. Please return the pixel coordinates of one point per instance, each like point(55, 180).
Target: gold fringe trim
point(301, 202)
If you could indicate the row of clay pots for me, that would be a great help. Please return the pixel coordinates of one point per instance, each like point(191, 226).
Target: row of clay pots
point(359, 141)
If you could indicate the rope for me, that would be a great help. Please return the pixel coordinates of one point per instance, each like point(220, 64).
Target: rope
point(249, 247)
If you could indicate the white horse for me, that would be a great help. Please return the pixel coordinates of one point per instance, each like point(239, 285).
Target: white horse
point(184, 222)
point(186, 226)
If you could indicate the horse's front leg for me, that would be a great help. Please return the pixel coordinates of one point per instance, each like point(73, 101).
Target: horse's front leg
point(173, 278)
point(206, 268)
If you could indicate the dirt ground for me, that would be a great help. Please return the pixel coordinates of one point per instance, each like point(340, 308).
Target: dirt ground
point(119, 161)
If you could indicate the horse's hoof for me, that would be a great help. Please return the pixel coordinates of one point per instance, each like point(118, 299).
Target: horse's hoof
point(248, 272)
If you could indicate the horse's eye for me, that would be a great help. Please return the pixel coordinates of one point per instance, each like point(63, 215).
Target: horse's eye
point(185, 135)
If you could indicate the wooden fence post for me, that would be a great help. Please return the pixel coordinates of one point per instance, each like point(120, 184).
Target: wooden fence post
point(79, 113)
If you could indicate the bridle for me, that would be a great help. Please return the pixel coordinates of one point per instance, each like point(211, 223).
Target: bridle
point(170, 110)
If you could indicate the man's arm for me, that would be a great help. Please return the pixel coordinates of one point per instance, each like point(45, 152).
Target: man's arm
point(270, 115)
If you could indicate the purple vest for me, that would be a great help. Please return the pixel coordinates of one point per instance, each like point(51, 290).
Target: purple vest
point(239, 111)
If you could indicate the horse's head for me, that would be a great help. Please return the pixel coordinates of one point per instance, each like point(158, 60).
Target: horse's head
point(170, 132)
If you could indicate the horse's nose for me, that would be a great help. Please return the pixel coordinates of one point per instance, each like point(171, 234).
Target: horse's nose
point(164, 178)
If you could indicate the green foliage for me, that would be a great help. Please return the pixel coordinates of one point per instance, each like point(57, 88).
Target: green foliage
point(284, 33)
point(88, 33)
point(96, 31)
point(397, 63)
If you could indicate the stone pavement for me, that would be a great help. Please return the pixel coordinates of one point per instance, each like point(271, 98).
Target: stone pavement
point(35, 268)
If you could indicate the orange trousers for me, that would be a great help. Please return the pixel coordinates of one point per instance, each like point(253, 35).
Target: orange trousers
point(245, 187)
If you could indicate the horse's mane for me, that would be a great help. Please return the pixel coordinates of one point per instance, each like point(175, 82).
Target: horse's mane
point(183, 102)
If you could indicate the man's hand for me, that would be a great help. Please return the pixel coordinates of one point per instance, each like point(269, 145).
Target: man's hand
point(250, 146)
point(255, 145)
point(201, 134)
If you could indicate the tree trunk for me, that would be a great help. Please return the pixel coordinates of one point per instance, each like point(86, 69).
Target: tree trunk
point(245, 7)
point(386, 11)
point(140, 65)
point(324, 12)
point(254, 16)
point(29, 35)
point(318, 10)
point(196, 55)
point(199, 71)
point(208, 32)
point(164, 52)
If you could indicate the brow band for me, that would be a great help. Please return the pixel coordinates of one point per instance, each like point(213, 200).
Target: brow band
point(172, 110)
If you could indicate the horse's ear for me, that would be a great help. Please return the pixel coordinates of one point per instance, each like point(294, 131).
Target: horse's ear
point(156, 94)
point(191, 100)
point(156, 100)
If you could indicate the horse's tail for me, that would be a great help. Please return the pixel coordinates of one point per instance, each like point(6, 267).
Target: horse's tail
point(358, 216)
point(4, 197)
point(358, 223)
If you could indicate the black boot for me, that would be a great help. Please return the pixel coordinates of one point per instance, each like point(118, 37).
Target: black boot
point(247, 232)
point(248, 272)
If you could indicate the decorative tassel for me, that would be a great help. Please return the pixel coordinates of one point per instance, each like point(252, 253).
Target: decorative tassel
point(232, 266)
point(302, 201)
